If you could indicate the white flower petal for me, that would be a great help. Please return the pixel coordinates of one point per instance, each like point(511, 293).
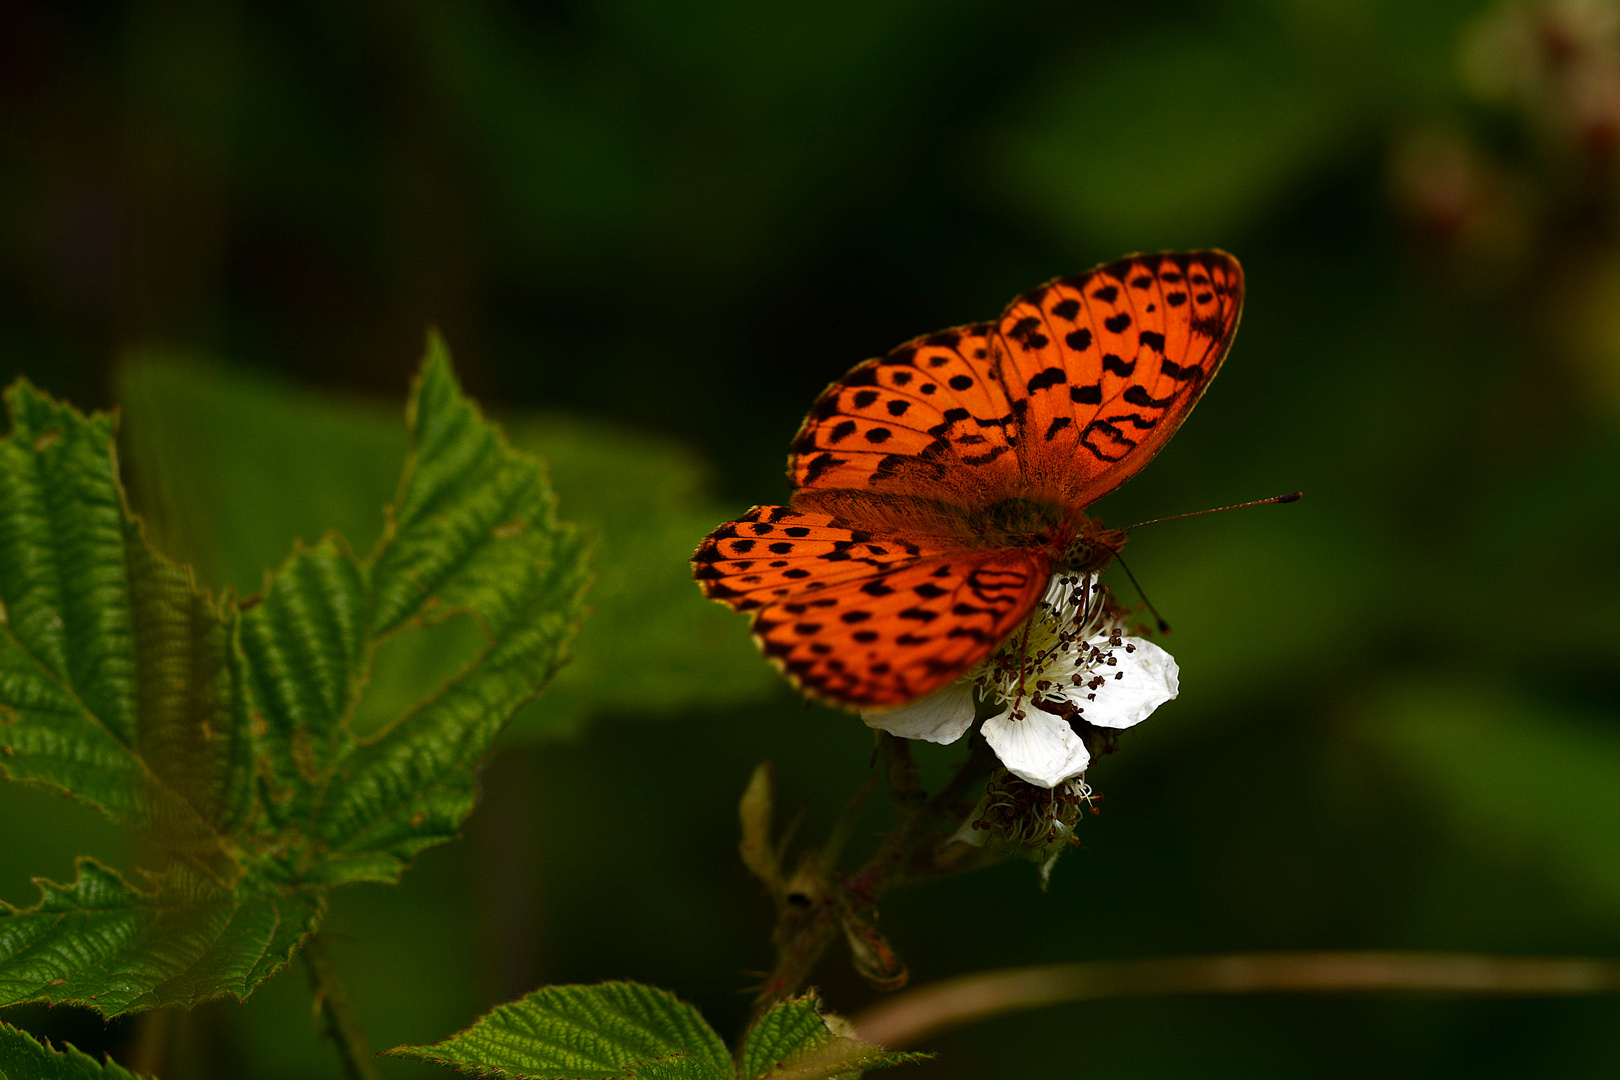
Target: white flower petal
point(1143, 679)
point(1039, 749)
point(939, 717)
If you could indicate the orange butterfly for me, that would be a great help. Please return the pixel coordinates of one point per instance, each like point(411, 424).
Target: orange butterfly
point(937, 488)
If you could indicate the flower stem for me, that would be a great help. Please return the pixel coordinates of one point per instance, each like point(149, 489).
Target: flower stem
point(812, 910)
point(342, 1025)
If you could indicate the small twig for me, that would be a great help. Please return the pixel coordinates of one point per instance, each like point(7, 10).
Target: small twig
point(810, 919)
point(342, 1025)
point(905, 787)
point(906, 1018)
point(845, 825)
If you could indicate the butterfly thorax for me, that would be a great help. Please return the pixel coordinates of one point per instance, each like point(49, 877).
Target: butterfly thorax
point(1019, 522)
point(1074, 541)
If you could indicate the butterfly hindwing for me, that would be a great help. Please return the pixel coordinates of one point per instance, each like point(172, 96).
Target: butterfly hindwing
point(773, 552)
point(1105, 365)
point(858, 626)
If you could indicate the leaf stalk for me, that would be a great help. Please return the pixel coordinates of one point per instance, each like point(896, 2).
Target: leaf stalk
point(342, 1024)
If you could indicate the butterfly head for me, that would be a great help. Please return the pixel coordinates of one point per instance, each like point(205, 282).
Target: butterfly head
point(1092, 548)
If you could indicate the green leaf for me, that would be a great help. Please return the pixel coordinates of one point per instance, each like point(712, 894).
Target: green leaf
point(230, 466)
point(798, 1040)
point(113, 668)
point(227, 732)
point(653, 646)
point(626, 1031)
point(100, 941)
point(204, 444)
point(471, 535)
point(22, 1058)
point(610, 1030)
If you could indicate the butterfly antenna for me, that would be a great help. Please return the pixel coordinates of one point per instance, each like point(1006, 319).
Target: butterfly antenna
point(1292, 496)
point(1164, 627)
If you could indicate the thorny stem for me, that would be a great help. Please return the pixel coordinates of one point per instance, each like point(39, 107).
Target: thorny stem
point(342, 1025)
point(809, 914)
point(904, 785)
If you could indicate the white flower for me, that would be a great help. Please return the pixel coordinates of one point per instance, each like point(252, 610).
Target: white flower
point(1027, 822)
point(1071, 660)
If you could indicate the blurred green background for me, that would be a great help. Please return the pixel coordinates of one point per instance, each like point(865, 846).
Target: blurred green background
point(653, 232)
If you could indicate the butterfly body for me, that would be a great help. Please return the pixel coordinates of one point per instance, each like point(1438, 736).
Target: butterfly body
point(938, 488)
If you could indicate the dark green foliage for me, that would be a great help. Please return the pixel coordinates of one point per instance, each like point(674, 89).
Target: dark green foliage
point(23, 1058)
point(281, 465)
point(221, 729)
point(677, 224)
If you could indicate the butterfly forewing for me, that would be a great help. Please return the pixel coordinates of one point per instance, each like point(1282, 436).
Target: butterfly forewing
point(1104, 366)
point(927, 420)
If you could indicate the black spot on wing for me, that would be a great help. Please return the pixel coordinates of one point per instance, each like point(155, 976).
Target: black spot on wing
point(1169, 368)
point(985, 458)
point(819, 465)
point(1052, 376)
point(1105, 441)
point(1138, 395)
point(1027, 332)
point(1118, 366)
